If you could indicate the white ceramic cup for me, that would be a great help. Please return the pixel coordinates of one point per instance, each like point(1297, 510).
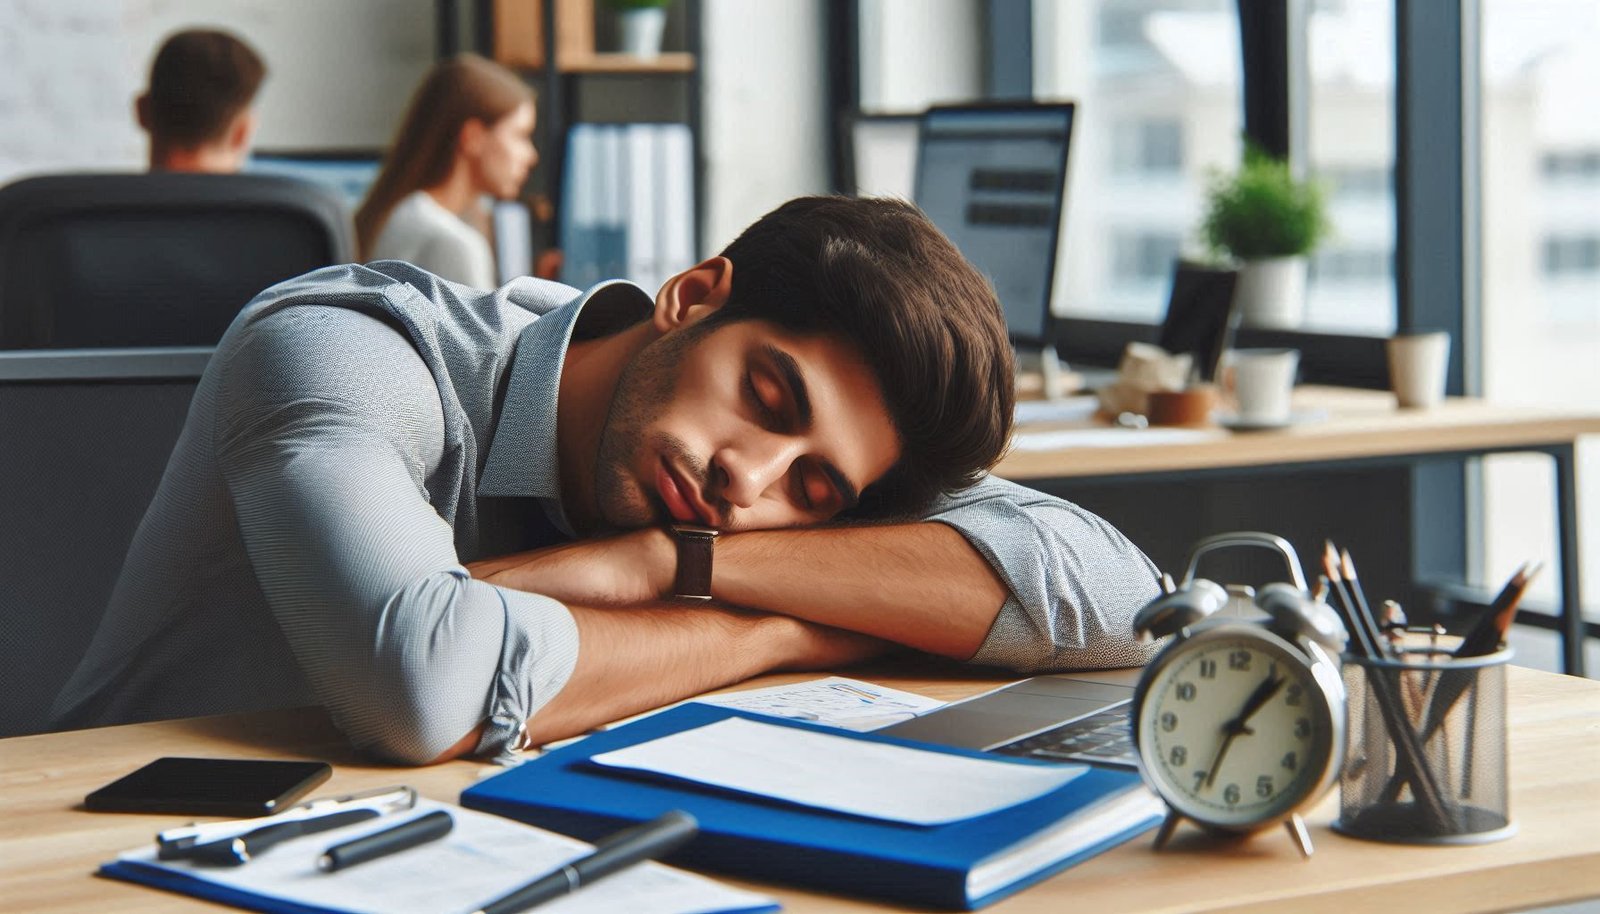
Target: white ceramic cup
point(1263, 379)
point(1418, 364)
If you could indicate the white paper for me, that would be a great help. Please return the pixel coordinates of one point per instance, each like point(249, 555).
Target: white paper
point(484, 857)
point(848, 704)
point(1067, 409)
point(876, 780)
point(1067, 439)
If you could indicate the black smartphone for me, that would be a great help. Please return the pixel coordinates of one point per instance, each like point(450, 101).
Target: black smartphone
point(210, 787)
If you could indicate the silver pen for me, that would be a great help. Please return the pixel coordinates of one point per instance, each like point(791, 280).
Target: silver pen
point(175, 843)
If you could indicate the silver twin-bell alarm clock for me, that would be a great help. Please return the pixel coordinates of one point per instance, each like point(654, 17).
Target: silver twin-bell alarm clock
point(1240, 720)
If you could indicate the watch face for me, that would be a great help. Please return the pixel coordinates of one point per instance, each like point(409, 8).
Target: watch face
point(1236, 729)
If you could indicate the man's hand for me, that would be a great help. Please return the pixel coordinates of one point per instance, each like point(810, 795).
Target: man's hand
point(623, 570)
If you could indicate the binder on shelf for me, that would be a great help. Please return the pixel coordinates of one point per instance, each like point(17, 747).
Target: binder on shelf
point(963, 864)
point(628, 207)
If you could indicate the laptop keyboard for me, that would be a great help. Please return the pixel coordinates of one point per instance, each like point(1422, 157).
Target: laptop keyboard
point(1105, 737)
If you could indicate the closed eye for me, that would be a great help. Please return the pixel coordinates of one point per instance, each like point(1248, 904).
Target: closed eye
point(769, 416)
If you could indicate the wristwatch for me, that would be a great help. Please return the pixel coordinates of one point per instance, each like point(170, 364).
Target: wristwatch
point(696, 546)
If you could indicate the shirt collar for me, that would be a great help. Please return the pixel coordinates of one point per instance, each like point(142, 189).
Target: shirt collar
point(522, 460)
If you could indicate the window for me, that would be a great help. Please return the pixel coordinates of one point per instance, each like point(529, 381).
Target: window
point(1140, 258)
point(1148, 148)
point(1567, 255)
point(1350, 122)
point(1540, 180)
point(1158, 87)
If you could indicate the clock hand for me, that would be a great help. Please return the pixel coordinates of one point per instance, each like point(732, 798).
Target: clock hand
point(1263, 694)
point(1236, 727)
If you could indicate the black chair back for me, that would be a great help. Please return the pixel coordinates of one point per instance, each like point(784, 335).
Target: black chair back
point(106, 260)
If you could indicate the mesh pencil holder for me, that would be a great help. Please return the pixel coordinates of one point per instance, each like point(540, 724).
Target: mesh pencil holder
point(1426, 758)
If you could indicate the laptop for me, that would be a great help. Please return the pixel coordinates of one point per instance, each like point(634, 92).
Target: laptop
point(1076, 717)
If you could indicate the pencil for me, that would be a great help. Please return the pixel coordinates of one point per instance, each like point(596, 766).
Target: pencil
point(1347, 567)
point(1490, 629)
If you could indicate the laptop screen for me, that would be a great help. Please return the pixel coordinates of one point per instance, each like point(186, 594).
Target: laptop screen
point(993, 178)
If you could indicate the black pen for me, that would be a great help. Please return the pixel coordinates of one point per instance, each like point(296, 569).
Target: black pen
point(239, 850)
point(656, 838)
point(406, 835)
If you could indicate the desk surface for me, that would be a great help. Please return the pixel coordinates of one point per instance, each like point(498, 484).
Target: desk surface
point(49, 848)
point(1358, 424)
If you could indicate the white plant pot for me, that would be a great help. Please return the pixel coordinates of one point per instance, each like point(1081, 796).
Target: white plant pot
point(641, 31)
point(1272, 292)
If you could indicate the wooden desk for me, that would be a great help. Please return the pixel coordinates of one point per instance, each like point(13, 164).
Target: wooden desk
point(1360, 428)
point(48, 848)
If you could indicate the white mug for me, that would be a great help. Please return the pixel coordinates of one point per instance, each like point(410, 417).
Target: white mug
point(1418, 364)
point(1263, 379)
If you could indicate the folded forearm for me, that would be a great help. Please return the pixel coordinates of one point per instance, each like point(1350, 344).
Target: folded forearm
point(634, 659)
point(919, 584)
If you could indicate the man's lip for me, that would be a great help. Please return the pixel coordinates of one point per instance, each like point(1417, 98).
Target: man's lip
point(676, 496)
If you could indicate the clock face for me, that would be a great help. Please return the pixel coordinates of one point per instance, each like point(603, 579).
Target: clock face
point(1235, 728)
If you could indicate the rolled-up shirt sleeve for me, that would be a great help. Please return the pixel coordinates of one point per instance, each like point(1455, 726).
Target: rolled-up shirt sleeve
point(1075, 581)
point(328, 426)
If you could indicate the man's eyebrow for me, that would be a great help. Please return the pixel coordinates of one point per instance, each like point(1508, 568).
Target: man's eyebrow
point(792, 378)
point(796, 382)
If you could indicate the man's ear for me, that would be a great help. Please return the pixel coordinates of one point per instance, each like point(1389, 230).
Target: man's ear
point(241, 131)
point(141, 111)
point(693, 294)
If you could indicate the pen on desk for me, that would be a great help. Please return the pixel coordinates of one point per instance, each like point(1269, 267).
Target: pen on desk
point(619, 851)
point(177, 843)
point(239, 850)
point(406, 835)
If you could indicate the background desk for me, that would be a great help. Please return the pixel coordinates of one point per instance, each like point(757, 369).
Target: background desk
point(1361, 429)
point(48, 848)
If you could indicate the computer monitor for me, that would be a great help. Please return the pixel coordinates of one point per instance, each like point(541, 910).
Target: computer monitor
point(347, 173)
point(993, 178)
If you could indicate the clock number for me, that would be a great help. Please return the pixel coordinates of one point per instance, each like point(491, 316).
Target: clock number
point(1291, 696)
point(1264, 786)
point(1208, 669)
point(1179, 755)
point(1302, 727)
point(1169, 721)
point(1199, 780)
point(1239, 660)
point(1186, 691)
point(1231, 794)
point(1289, 761)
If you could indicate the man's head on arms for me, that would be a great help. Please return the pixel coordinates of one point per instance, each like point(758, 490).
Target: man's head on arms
point(197, 107)
point(839, 357)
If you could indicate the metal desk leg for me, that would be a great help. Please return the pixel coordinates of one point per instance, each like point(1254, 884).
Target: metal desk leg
point(1572, 627)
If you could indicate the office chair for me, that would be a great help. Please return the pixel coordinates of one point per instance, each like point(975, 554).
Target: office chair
point(103, 260)
point(87, 435)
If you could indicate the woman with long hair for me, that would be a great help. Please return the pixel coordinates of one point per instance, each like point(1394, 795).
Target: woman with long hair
point(467, 132)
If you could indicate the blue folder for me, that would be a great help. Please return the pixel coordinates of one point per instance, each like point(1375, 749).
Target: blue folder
point(774, 841)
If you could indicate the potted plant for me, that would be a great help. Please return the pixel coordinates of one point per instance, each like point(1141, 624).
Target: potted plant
point(1268, 222)
point(640, 24)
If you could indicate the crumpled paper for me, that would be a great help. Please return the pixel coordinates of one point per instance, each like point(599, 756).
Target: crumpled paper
point(1144, 368)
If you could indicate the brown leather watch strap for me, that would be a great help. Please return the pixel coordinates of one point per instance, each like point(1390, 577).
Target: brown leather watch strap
point(696, 547)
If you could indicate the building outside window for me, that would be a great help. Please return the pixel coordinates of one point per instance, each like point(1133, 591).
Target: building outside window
point(1540, 181)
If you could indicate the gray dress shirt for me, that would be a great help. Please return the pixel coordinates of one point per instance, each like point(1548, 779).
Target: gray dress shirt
point(360, 433)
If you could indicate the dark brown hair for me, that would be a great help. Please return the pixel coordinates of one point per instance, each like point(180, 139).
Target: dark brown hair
point(199, 82)
point(879, 274)
point(463, 88)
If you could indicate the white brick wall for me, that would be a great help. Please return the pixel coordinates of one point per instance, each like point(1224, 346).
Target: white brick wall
point(340, 73)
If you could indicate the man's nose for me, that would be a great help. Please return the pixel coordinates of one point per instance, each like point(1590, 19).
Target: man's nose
point(753, 465)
